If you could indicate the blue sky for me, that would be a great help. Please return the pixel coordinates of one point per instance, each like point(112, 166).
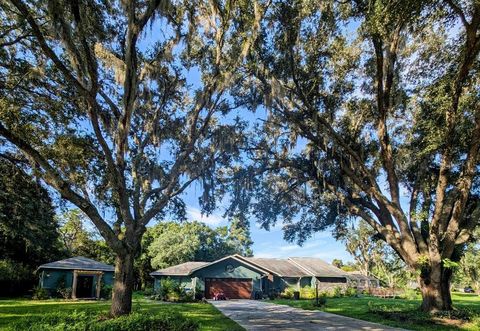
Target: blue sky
point(271, 243)
point(266, 243)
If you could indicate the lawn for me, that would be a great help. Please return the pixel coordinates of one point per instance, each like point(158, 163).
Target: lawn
point(207, 316)
point(395, 312)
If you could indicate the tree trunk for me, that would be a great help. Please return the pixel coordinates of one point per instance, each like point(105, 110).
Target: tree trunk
point(123, 286)
point(435, 286)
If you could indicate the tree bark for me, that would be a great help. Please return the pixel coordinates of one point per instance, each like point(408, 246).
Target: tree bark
point(435, 287)
point(123, 285)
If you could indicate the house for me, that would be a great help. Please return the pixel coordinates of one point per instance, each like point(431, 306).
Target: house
point(247, 277)
point(361, 281)
point(83, 275)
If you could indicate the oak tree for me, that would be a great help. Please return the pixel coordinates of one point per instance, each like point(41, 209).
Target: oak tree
point(99, 96)
point(372, 112)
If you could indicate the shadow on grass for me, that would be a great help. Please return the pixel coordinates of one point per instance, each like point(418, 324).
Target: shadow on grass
point(207, 316)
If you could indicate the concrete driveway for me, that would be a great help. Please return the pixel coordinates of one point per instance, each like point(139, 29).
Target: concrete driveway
point(258, 315)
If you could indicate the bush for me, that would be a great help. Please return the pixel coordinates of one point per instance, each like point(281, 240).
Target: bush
point(287, 293)
point(106, 291)
point(39, 293)
point(337, 292)
point(138, 321)
point(350, 291)
point(148, 291)
point(65, 293)
point(89, 321)
point(307, 292)
point(170, 290)
point(322, 301)
point(62, 290)
point(409, 294)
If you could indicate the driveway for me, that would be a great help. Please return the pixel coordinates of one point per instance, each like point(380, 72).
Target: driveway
point(258, 315)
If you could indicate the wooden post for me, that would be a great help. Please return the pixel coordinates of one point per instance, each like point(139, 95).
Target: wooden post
point(74, 285)
point(194, 285)
point(316, 291)
point(99, 287)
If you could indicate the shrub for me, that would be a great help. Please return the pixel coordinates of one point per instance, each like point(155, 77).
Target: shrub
point(350, 291)
point(409, 294)
point(166, 286)
point(140, 321)
point(65, 293)
point(148, 291)
point(307, 292)
point(89, 321)
point(287, 293)
point(106, 291)
point(337, 292)
point(170, 290)
point(39, 293)
point(322, 301)
point(62, 290)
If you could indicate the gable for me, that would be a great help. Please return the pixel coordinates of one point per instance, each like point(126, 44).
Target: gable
point(229, 267)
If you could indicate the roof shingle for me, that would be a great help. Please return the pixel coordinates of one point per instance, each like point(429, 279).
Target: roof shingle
point(281, 267)
point(183, 269)
point(78, 263)
point(317, 267)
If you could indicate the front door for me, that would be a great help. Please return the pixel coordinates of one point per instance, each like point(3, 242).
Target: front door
point(84, 287)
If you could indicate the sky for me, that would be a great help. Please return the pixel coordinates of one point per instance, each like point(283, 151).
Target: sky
point(265, 243)
point(270, 244)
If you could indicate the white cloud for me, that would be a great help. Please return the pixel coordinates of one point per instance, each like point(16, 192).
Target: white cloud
point(314, 244)
point(289, 248)
point(195, 214)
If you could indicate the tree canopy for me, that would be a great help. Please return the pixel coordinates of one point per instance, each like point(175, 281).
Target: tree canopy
point(28, 229)
point(97, 96)
point(77, 240)
point(174, 243)
point(373, 112)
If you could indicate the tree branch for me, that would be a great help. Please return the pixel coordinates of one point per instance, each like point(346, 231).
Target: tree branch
point(55, 180)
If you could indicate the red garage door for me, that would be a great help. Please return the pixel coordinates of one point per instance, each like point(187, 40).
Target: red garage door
point(233, 288)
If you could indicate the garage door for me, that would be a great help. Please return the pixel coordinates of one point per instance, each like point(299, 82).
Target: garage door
point(233, 288)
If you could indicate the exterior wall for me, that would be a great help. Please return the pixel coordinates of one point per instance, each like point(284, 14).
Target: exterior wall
point(50, 279)
point(219, 270)
point(306, 281)
point(329, 283)
point(279, 284)
point(185, 281)
point(108, 277)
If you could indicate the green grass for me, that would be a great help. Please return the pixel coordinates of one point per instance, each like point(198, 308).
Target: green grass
point(409, 317)
point(207, 316)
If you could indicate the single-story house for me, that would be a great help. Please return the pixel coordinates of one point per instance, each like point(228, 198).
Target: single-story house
point(83, 275)
point(248, 277)
point(361, 281)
